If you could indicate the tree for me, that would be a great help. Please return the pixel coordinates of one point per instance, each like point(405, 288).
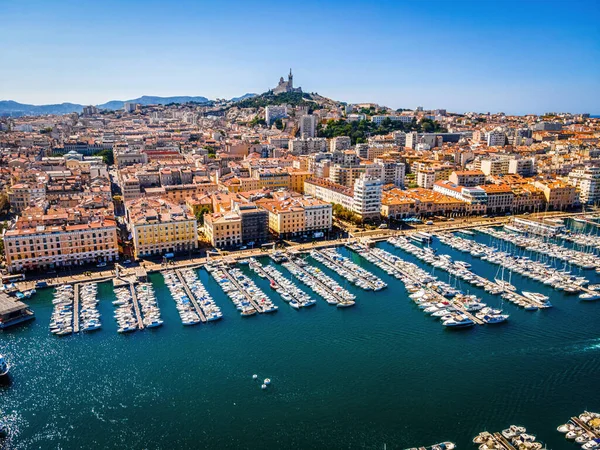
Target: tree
point(4, 204)
point(257, 121)
point(107, 156)
point(200, 214)
point(279, 124)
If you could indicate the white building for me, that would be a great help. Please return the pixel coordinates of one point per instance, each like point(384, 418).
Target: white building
point(587, 181)
point(391, 171)
point(495, 166)
point(524, 166)
point(308, 126)
point(340, 143)
point(403, 119)
point(364, 199)
point(274, 112)
point(307, 146)
point(367, 197)
point(496, 138)
point(130, 107)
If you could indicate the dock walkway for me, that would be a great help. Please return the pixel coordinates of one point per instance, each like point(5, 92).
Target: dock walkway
point(340, 266)
point(585, 427)
point(231, 278)
point(317, 281)
point(191, 296)
point(76, 309)
point(503, 442)
point(136, 306)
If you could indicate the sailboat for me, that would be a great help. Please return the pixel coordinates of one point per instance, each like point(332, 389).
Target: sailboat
point(506, 285)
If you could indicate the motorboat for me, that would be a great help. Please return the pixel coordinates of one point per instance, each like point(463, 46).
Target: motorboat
point(4, 367)
point(589, 297)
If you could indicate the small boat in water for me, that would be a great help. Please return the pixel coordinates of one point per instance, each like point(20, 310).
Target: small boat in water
point(4, 367)
point(589, 297)
point(441, 446)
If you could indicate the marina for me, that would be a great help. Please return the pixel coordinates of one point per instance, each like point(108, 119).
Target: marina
point(248, 298)
point(537, 270)
point(545, 247)
point(320, 283)
point(435, 298)
point(514, 437)
point(286, 289)
point(88, 318)
point(460, 269)
point(583, 429)
point(149, 311)
point(356, 275)
point(188, 310)
point(205, 305)
point(126, 315)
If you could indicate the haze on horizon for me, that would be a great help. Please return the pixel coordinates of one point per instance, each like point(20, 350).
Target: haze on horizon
point(516, 57)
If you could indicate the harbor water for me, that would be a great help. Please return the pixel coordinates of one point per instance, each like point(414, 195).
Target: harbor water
point(379, 373)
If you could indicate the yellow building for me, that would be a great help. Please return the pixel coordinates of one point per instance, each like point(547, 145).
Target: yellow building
point(294, 216)
point(159, 226)
point(297, 178)
point(558, 194)
point(47, 247)
point(272, 178)
point(223, 229)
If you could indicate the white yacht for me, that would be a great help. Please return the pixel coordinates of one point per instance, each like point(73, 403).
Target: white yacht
point(4, 367)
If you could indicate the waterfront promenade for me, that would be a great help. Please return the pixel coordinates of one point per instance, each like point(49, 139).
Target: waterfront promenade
point(375, 235)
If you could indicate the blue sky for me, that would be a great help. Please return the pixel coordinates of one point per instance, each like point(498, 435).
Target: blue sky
point(516, 57)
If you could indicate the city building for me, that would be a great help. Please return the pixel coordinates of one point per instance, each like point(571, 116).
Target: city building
point(53, 242)
point(159, 227)
point(223, 229)
point(274, 112)
point(587, 181)
point(308, 126)
point(467, 178)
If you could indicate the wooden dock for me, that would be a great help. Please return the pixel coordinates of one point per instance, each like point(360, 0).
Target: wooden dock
point(318, 282)
point(191, 295)
point(76, 308)
point(136, 307)
point(586, 428)
point(340, 266)
point(503, 442)
point(255, 305)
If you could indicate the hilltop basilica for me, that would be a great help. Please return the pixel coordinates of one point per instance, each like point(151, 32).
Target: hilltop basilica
point(286, 86)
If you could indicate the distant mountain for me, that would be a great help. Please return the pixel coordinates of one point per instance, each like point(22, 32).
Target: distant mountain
point(15, 109)
point(11, 108)
point(145, 100)
point(243, 97)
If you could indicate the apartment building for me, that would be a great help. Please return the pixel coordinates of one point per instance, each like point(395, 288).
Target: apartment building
point(254, 222)
point(158, 226)
point(558, 194)
point(23, 195)
point(467, 178)
point(60, 244)
point(274, 112)
point(522, 166)
point(223, 230)
point(587, 181)
point(495, 166)
point(340, 143)
point(308, 126)
point(296, 216)
point(500, 198)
